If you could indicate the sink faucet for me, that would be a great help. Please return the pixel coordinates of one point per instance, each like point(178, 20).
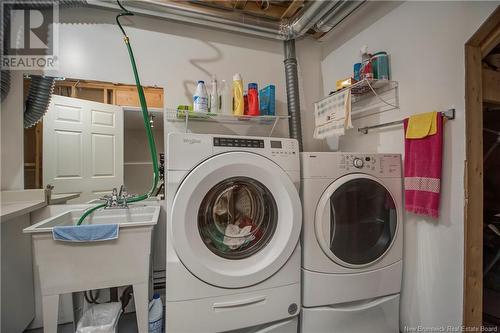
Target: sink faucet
point(117, 199)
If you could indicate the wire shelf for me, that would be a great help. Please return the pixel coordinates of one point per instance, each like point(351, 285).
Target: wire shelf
point(187, 116)
point(370, 97)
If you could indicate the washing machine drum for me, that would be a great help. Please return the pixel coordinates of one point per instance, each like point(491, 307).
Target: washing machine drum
point(356, 221)
point(236, 219)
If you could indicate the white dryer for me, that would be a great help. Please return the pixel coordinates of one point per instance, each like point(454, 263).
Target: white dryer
point(233, 228)
point(352, 242)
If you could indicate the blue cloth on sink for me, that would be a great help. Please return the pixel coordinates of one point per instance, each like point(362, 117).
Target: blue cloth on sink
point(85, 233)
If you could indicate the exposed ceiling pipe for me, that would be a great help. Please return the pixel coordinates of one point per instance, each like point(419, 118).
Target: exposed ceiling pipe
point(231, 20)
point(313, 13)
point(337, 15)
point(234, 21)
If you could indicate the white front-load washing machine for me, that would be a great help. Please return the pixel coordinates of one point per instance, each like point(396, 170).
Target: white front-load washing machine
point(233, 226)
point(352, 242)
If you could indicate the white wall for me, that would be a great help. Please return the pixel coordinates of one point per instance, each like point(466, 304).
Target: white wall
point(426, 43)
point(12, 161)
point(170, 55)
point(311, 90)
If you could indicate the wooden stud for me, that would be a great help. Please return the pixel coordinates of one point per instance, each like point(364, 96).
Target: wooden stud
point(491, 41)
point(475, 50)
point(481, 35)
point(491, 86)
point(293, 8)
point(473, 257)
point(240, 4)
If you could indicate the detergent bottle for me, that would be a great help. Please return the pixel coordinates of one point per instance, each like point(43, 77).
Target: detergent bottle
point(253, 99)
point(155, 315)
point(200, 98)
point(238, 102)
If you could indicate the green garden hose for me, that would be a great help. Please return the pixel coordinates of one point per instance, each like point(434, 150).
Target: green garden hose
point(145, 116)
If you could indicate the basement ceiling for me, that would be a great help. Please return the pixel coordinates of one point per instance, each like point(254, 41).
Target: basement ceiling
point(275, 19)
point(270, 9)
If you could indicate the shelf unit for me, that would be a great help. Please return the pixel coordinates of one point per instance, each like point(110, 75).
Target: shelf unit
point(369, 97)
point(190, 116)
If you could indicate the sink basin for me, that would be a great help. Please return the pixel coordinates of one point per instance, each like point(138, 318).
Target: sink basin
point(66, 267)
point(134, 216)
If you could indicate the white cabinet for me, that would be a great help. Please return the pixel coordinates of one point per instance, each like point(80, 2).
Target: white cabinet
point(18, 306)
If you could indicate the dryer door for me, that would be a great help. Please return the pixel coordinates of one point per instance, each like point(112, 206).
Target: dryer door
point(236, 219)
point(356, 220)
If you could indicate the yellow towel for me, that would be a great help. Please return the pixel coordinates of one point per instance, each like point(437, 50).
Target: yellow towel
point(422, 125)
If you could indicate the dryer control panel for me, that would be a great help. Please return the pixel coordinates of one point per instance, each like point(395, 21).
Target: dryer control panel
point(377, 164)
point(337, 164)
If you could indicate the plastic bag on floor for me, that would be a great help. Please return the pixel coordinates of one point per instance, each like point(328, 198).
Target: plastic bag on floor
point(100, 318)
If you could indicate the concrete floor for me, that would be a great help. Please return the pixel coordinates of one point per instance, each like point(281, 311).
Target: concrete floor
point(127, 324)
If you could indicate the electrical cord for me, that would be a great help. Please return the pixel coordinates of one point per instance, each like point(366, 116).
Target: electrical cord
point(89, 297)
point(378, 96)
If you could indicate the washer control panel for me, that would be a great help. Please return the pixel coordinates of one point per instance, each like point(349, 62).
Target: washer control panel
point(238, 142)
point(276, 147)
point(375, 164)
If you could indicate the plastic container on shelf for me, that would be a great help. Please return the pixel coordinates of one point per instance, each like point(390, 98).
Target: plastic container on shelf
point(200, 98)
point(267, 99)
point(366, 70)
point(226, 98)
point(214, 96)
point(238, 101)
point(245, 103)
point(253, 99)
point(357, 71)
point(380, 64)
point(155, 315)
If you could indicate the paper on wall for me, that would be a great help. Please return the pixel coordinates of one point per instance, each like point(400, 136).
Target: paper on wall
point(333, 115)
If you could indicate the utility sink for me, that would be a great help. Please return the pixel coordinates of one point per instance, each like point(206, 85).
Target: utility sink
point(134, 216)
point(65, 267)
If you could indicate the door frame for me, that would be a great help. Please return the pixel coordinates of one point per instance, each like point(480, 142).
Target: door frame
point(476, 48)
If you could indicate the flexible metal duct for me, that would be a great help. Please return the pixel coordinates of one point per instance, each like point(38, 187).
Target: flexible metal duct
point(292, 92)
point(39, 96)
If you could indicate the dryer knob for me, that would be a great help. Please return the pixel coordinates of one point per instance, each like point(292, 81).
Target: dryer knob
point(358, 163)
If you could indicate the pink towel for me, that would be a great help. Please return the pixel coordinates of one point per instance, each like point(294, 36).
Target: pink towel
point(422, 166)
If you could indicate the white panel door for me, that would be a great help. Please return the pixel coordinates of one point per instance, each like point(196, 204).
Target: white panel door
point(82, 147)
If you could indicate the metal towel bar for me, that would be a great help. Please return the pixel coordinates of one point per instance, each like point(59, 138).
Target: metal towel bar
point(448, 114)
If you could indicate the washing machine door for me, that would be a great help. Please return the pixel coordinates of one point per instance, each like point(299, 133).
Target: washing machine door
point(236, 219)
point(356, 220)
